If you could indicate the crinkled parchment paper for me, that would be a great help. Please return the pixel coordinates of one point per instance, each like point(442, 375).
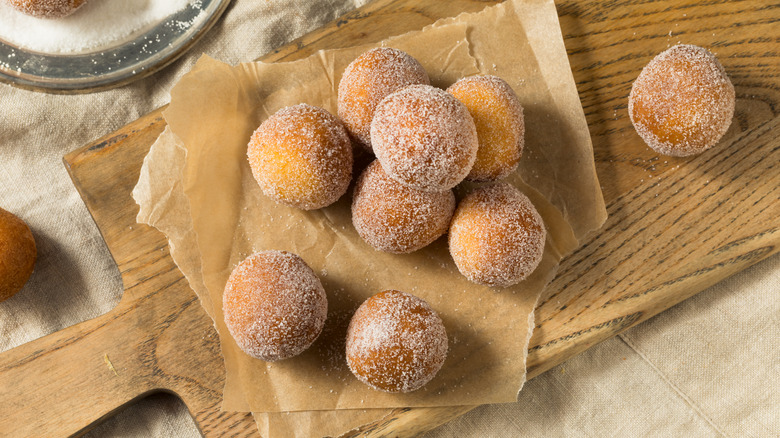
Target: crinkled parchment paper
point(197, 188)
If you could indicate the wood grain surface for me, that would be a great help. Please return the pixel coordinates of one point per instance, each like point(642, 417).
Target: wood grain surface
point(676, 226)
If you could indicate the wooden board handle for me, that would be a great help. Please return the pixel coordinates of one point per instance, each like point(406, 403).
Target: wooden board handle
point(54, 385)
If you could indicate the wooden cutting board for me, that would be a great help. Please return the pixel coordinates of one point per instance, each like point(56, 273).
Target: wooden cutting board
point(676, 226)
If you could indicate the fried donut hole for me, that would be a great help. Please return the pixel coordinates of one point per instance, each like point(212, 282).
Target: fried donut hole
point(274, 305)
point(302, 157)
point(17, 254)
point(369, 79)
point(496, 236)
point(394, 218)
point(424, 138)
point(47, 8)
point(682, 102)
point(498, 116)
point(396, 342)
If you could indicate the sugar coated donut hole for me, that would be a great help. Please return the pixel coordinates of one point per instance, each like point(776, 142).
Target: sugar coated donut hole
point(394, 218)
point(496, 236)
point(274, 305)
point(424, 138)
point(302, 157)
point(682, 102)
point(47, 8)
point(369, 79)
point(498, 116)
point(396, 342)
point(17, 254)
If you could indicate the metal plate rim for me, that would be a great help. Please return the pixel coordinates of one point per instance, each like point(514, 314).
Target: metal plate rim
point(68, 74)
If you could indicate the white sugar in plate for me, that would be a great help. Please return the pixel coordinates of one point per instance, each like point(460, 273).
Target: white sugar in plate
point(96, 25)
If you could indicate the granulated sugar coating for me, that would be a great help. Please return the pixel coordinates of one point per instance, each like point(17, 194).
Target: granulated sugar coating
point(302, 157)
point(96, 25)
point(369, 79)
point(47, 8)
point(396, 342)
point(682, 102)
point(424, 138)
point(274, 305)
point(394, 218)
point(498, 116)
point(497, 236)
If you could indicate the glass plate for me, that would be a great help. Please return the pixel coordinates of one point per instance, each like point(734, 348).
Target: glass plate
point(112, 66)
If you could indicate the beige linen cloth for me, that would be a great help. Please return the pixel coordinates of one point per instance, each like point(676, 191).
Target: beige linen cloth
point(707, 367)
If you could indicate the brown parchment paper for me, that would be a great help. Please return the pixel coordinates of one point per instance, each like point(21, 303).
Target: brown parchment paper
point(494, 34)
point(226, 209)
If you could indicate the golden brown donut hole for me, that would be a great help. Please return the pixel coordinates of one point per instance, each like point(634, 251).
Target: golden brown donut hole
point(302, 157)
point(47, 8)
point(369, 79)
point(424, 138)
point(394, 218)
point(496, 236)
point(682, 102)
point(274, 305)
point(498, 116)
point(396, 342)
point(17, 254)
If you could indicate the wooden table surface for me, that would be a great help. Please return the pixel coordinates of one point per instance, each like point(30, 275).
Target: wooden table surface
point(675, 227)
